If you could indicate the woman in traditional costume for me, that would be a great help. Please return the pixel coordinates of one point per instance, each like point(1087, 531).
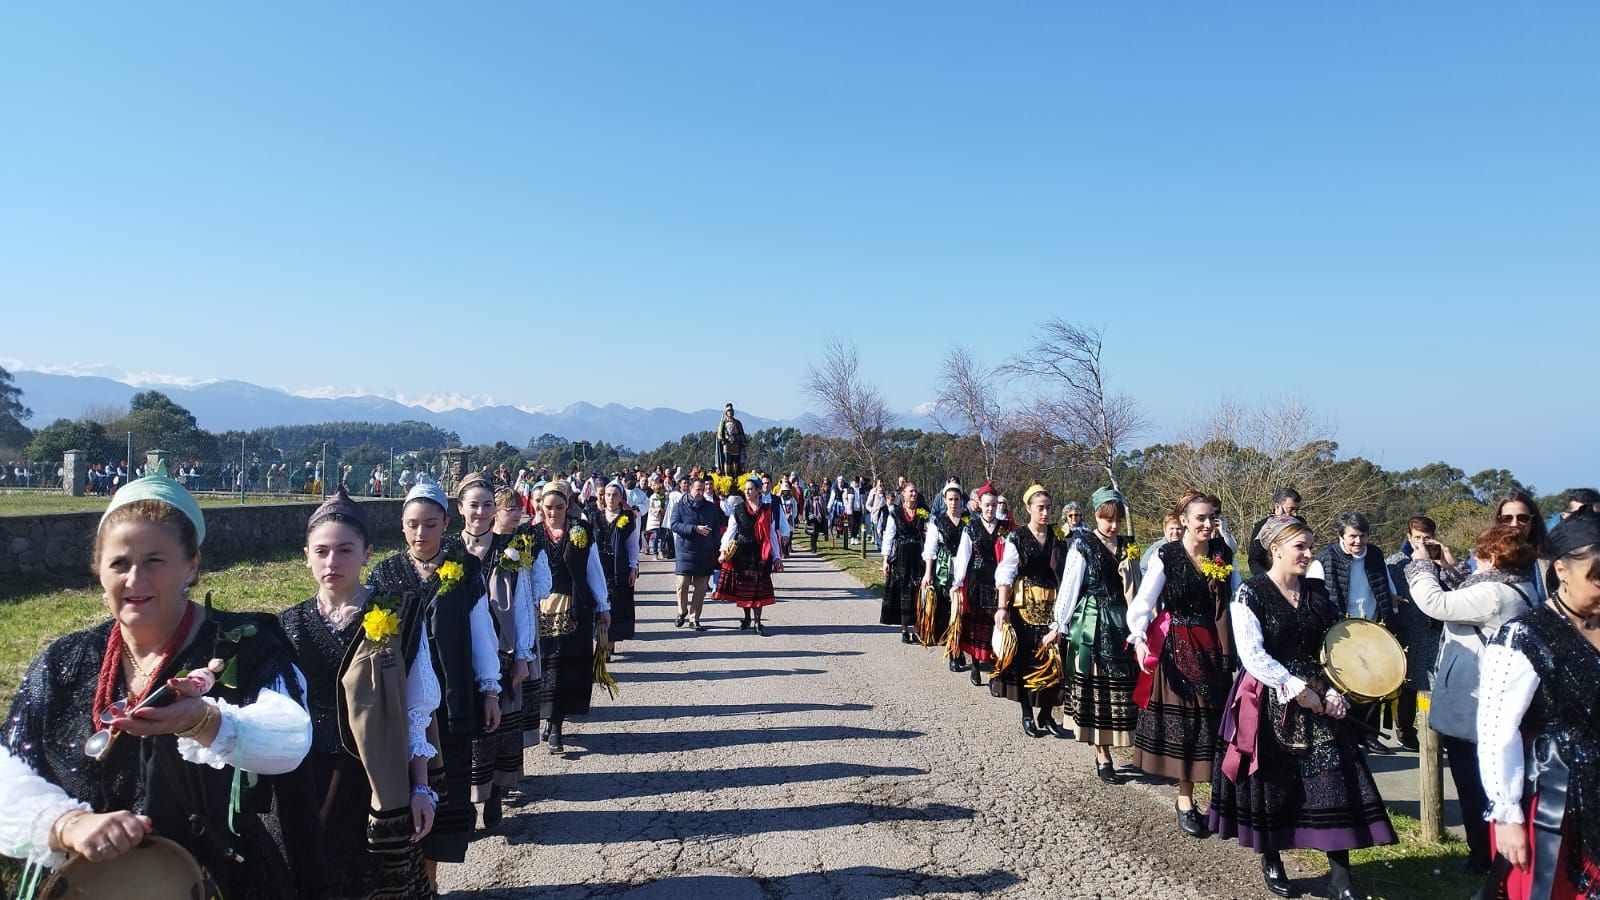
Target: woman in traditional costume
point(384, 770)
point(1092, 613)
point(455, 607)
point(222, 775)
point(750, 554)
point(491, 517)
point(972, 586)
point(904, 534)
point(616, 531)
point(1178, 625)
point(1291, 774)
point(569, 587)
point(1538, 694)
point(938, 563)
point(1027, 578)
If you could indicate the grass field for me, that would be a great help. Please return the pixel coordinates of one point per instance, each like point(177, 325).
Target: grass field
point(33, 503)
point(1410, 870)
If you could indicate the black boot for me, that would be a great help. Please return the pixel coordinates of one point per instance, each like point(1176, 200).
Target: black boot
point(491, 809)
point(1339, 883)
point(976, 674)
point(1277, 879)
point(556, 746)
point(1108, 772)
point(1028, 727)
point(1049, 723)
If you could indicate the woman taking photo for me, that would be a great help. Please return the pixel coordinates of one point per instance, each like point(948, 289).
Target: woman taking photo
point(1539, 678)
point(903, 536)
point(81, 776)
point(1306, 783)
point(1092, 613)
point(569, 588)
point(1473, 613)
point(386, 767)
point(1178, 624)
point(461, 641)
point(1027, 579)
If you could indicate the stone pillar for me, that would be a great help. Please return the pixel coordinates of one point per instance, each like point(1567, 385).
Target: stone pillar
point(75, 472)
point(453, 467)
point(154, 458)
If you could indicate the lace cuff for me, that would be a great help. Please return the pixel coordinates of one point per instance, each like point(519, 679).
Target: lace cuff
point(1504, 811)
point(221, 751)
point(269, 737)
point(43, 811)
point(417, 737)
point(488, 685)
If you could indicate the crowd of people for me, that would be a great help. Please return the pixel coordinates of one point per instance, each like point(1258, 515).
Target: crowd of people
point(350, 745)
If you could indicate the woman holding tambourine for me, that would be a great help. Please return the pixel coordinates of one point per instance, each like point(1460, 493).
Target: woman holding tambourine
point(106, 744)
point(1290, 773)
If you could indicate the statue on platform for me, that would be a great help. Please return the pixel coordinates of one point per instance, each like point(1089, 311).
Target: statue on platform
point(730, 444)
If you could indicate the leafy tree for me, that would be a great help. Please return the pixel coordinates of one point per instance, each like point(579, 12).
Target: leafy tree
point(14, 435)
point(547, 441)
point(55, 439)
point(11, 398)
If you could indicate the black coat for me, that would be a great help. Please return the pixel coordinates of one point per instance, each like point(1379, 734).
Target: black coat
point(696, 553)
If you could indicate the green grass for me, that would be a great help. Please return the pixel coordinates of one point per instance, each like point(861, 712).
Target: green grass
point(868, 571)
point(33, 503)
point(30, 621)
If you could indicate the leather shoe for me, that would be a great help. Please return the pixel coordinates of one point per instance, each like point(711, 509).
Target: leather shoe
point(697, 626)
point(1277, 879)
point(678, 622)
point(1191, 824)
point(957, 665)
point(975, 674)
point(905, 637)
point(1030, 729)
point(1108, 772)
point(744, 625)
point(761, 629)
point(491, 809)
point(1054, 727)
point(556, 746)
point(544, 732)
point(1342, 894)
point(1410, 741)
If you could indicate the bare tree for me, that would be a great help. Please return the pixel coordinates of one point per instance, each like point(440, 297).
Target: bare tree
point(1244, 454)
point(968, 399)
point(851, 409)
point(1070, 404)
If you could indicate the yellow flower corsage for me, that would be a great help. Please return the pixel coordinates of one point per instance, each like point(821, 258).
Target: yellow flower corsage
point(579, 538)
point(922, 514)
point(379, 623)
point(622, 521)
point(1215, 569)
point(1061, 533)
point(1132, 551)
point(450, 573)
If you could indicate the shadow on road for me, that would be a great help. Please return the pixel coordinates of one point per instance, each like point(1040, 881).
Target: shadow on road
point(587, 827)
point(682, 741)
point(855, 882)
point(625, 676)
point(642, 713)
point(583, 787)
point(653, 656)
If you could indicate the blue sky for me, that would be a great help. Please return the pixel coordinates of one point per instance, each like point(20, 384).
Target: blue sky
point(1387, 210)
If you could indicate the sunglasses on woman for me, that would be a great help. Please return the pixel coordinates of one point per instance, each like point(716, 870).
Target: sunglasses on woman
point(1516, 519)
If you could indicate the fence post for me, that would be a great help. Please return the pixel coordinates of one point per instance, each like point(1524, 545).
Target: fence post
point(1430, 796)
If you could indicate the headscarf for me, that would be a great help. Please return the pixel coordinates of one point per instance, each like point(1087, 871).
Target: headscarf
point(1107, 495)
point(1276, 525)
point(559, 486)
point(161, 487)
point(1035, 488)
point(342, 506)
point(1577, 531)
point(755, 480)
point(952, 485)
point(431, 492)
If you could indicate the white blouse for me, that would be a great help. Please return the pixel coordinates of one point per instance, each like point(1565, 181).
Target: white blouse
point(730, 535)
point(1071, 588)
point(892, 528)
point(1505, 691)
point(964, 554)
point(930, 546)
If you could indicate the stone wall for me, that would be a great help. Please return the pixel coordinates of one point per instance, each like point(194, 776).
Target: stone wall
point(60, 543)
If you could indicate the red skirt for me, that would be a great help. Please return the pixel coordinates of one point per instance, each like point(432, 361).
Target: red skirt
point(1519, 883)
point(747, 588)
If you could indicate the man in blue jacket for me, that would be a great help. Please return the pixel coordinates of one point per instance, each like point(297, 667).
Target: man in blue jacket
point(696, 525)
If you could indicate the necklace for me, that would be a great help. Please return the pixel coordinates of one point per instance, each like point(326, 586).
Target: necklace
point(1587, 622)
point(139, 671)
point(475, 534)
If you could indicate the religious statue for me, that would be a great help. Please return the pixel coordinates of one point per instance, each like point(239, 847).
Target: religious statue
point(730, 444)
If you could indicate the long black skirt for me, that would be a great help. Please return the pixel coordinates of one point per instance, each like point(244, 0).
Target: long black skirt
point(622, 610)
point(455, 819)
point(567, 662)
point(354, 871)
point(1009, 684)
point(497, 757)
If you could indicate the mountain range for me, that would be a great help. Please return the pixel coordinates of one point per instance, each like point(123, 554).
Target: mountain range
point(238, 405)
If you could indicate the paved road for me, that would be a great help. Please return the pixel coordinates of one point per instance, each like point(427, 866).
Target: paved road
point(825, 760)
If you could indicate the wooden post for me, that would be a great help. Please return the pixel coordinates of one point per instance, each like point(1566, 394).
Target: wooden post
point(1430, 796)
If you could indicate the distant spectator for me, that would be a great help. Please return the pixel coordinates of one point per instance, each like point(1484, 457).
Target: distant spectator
point(1286, 502)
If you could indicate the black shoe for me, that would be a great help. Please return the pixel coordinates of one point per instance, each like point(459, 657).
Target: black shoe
point(1056, 728)
point(1108, 772)
point(544, 732)
point(976, 674)
point(761, 629)
point(957, 665)
point(678, 622)
point(491, 809)
point(697, 626)
point(745, 625)
point(905, 637)
point(1410, 742)
point(1190, 822)
point(1343, 893)
point(556, 746)
point(1277, 879)
point(1029, 728)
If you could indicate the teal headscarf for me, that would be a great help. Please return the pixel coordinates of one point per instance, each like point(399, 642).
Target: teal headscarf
point(161, 487)
point(1107, 495)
